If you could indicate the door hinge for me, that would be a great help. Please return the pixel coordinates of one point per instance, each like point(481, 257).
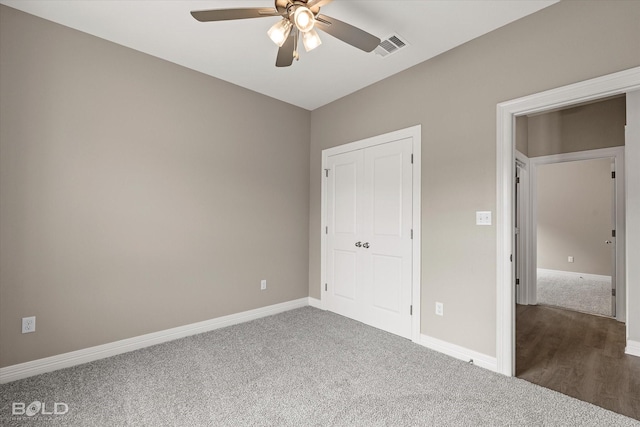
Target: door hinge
point(518, 180)
point(410, 310)
point(511, 258)
point(412, 159)
point(412, 233)
point(517, 281)
point(613, 292)
point(326, 230)
point(325, 287)
point(613, 174)
point(613, 233)
point(326, 173)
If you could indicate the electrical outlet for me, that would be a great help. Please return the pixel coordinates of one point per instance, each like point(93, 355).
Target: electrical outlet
point(483, 218)
point(28, 324)
point(263, 284)
point(440, 309)
point(569, 259)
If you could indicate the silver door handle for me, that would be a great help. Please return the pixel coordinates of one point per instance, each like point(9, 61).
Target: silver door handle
point(358, 244)
point(608, 242)
point(366, 245)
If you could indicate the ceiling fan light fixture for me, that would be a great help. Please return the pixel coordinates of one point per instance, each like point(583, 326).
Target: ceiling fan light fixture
point(304, 19)
point(311, 40)
point(279, 32)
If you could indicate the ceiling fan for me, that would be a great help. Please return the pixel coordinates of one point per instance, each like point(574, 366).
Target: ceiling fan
point(299, 17)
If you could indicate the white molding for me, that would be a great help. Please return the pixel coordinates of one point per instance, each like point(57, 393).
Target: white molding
point(575, 274)
point(506, 112)
point(315, 302)
point(632, 209)
point(633, 348)
point(526, 296)
point(66, 360)
point(415, 133)
point(459, 352)
point(600, 153)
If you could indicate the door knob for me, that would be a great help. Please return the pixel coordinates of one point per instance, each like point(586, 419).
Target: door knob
point(358, 244)
point(366, 245)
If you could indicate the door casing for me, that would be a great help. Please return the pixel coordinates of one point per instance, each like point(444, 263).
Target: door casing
point(415, 133)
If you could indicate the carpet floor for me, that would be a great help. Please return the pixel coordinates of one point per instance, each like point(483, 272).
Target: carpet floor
point(298, 368)
point(586, 295)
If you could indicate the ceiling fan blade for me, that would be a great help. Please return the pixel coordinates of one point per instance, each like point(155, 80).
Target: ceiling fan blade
point(229, 14)
point(317, 3)
point(285, 53)
point(347, 33)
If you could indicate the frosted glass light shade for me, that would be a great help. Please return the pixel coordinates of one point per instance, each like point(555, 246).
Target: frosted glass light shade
point(279, 32)
point(304, 19)
point(311, 40)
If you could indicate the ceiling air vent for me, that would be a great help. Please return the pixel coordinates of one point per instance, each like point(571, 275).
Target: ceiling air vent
point(390, 45)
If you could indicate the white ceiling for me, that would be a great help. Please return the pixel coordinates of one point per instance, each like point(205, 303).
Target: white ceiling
point(240, 51)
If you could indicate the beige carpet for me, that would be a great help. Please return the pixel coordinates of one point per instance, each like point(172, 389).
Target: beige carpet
point(582, 294)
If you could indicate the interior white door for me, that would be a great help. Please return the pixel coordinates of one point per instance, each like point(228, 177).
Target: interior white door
point(369, 214)
point(344, 228)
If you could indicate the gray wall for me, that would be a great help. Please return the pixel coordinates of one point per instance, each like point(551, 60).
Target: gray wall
point(581, 128)
point(454, 97)
point(522, 135)
point(137, 195)
point(575, 202)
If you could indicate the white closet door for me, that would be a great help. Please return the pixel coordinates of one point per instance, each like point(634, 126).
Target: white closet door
point(345, 219)
point(369, 201)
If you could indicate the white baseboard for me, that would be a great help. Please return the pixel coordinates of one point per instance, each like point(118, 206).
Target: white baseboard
point(314, 302)
point(576, 275)
point(459, 352)
point(66, 360)
point(633, 348)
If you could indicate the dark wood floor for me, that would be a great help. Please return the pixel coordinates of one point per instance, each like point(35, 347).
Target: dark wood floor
point(579, 355)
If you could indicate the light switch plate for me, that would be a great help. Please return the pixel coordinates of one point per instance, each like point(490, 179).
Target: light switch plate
point(483, 218)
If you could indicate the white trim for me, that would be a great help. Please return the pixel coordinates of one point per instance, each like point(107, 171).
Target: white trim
point(600, 153)
point(525, 296)
point(575, 274)
point(315, 302)
point(632, 210)
point(66, 360)
point(415, 133)
point(601, 87)
point(616, 153)
point(633, 348)
point(462, 353)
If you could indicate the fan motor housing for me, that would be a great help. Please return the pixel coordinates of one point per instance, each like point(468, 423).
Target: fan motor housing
point(282, 6)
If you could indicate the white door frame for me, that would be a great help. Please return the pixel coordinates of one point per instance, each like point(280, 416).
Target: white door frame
point(601, 87)
point(617, 153)
point(524, 248)
point(415, 133)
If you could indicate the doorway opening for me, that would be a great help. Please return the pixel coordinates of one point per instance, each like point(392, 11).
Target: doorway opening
point(570, 236)
point(624, 82)
point(575, 227)
point(569, 207)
